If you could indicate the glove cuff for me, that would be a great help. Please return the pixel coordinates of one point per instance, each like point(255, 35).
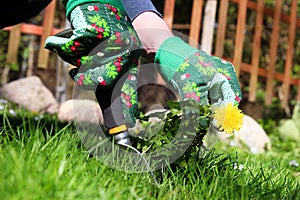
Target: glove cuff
point(171, 54)
point(72, 4)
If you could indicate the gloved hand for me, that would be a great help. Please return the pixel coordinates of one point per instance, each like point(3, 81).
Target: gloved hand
point(102, 43)
point(197, 75)
point(209, 80)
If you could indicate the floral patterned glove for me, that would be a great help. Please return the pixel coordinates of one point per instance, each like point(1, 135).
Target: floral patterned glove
point(102, 44)
point(197, 75)
point(228, 71)
point(198, 79)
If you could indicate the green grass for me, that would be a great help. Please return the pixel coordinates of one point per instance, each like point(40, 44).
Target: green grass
point(44, 159)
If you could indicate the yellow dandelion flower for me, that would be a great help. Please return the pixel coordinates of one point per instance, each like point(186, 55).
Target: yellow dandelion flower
point(228, 117)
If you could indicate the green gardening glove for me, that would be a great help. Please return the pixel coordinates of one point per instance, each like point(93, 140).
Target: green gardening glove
point(102, 44)
point(197, 75)
point(207, 79)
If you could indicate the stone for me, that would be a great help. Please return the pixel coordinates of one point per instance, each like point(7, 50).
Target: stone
point(251, 135)
point(296, 115)
point(80, 110)
point(290, 128)
point(31, 94)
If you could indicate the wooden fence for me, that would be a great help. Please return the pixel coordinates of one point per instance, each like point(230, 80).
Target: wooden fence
point(44, 31)
point(195, 27)
point(252, 68)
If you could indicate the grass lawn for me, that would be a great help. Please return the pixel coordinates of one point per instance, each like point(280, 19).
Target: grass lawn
point(41, 158)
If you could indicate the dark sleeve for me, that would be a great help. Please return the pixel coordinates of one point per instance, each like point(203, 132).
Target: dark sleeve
point(136, 7)
point(64, 2)
point(14, 11)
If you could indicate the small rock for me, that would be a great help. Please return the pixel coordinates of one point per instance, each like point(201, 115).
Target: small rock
point(290, 128)
point(294, 163)
point(296, 115)
point(31, 94)
point(79, 110)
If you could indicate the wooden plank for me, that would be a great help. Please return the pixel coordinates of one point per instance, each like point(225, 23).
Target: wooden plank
point(181, 26)
point(289, 55)
point(33, 29)
point(13, 45)
point(273, 52)
point(47, 28)
point(222, 24)
point(12, 52)
point(196, 19)
point(247, 68)
point(169, 12)
point(31, 56)
point(256, 50)
point(208, 26)
point(240, 36)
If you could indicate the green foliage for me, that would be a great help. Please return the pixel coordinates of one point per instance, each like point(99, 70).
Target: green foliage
point(168, 132)
point(14, 67)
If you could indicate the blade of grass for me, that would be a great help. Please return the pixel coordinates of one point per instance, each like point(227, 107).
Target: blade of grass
point(55, 136)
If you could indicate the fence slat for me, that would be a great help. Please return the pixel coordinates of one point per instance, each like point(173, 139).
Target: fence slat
point(47, 29)
point(256, 50)
point(196, 19)
point(273, 52)
point(240, 36)
point(289, 55)
point(13, 44)
point(222, 24)
point(12, 52)
point(169, 12)
point(208, 26)
point(32, 29)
